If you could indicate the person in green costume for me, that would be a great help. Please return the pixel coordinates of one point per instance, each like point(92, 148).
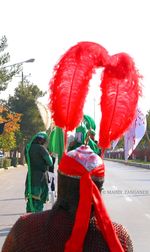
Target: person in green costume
point(85, 134)
point(80, 136)
point(39, 163)
point(90, 138)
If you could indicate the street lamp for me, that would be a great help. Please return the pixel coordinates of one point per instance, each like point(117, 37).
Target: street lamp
point(19, 63)
point(31, 60)
point(26, 61)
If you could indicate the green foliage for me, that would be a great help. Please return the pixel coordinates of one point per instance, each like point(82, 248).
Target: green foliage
point(6, 73)
point(1, 162)
point(12, 125)
point(8, 142)
point(23, 102)
point(6, 163)
point(148, 122)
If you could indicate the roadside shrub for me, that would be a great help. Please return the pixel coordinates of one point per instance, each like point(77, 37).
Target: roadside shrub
point(1, 162)
point(6, 163)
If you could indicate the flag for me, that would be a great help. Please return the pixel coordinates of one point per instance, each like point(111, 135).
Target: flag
point(135, 133)
point(45, 114)
point(114, 143)
point(56, 142)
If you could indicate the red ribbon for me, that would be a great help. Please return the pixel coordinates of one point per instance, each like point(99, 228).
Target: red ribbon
point(89, 194)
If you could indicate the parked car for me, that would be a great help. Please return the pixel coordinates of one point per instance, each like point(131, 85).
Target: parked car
point(1, 154)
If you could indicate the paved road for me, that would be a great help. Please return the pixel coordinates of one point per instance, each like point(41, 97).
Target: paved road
point(126, 194)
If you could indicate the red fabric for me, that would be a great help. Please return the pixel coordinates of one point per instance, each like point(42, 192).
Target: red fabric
point(88, 193)
point(120, 93)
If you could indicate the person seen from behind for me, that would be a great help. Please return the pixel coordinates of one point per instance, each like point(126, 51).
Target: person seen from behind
point(39, 163)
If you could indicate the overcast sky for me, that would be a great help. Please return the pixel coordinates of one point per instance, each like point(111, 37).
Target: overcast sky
point(45, 29)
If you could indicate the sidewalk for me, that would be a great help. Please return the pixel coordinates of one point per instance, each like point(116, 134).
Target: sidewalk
point(12, 202)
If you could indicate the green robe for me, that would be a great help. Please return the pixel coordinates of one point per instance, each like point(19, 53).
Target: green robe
point(40, 163)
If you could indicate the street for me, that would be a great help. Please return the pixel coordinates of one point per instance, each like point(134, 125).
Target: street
point(126, 194)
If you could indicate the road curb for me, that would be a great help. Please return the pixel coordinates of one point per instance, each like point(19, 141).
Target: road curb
point(145, 166)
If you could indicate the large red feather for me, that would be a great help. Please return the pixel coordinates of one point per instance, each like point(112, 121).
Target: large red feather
point(69, 86)
point(120, 93)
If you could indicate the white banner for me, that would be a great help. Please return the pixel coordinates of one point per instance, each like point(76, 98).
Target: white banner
point(45, 114)
point(136, 132)
point(114, 143)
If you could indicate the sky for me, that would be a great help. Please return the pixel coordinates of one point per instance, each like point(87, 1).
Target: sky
point(45, 29)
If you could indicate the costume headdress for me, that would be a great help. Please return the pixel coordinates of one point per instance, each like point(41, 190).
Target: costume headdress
point(68, 89)
point(89, 122)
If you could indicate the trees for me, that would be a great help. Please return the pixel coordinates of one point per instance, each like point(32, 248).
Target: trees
point(23, 102)
point(148, 127)
point(12, 126)
point(6, 73)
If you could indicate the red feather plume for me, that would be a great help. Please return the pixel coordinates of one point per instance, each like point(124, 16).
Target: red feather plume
point(69, 85)
point(120, 93)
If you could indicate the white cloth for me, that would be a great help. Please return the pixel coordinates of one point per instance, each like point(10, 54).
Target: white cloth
point(135, 133)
